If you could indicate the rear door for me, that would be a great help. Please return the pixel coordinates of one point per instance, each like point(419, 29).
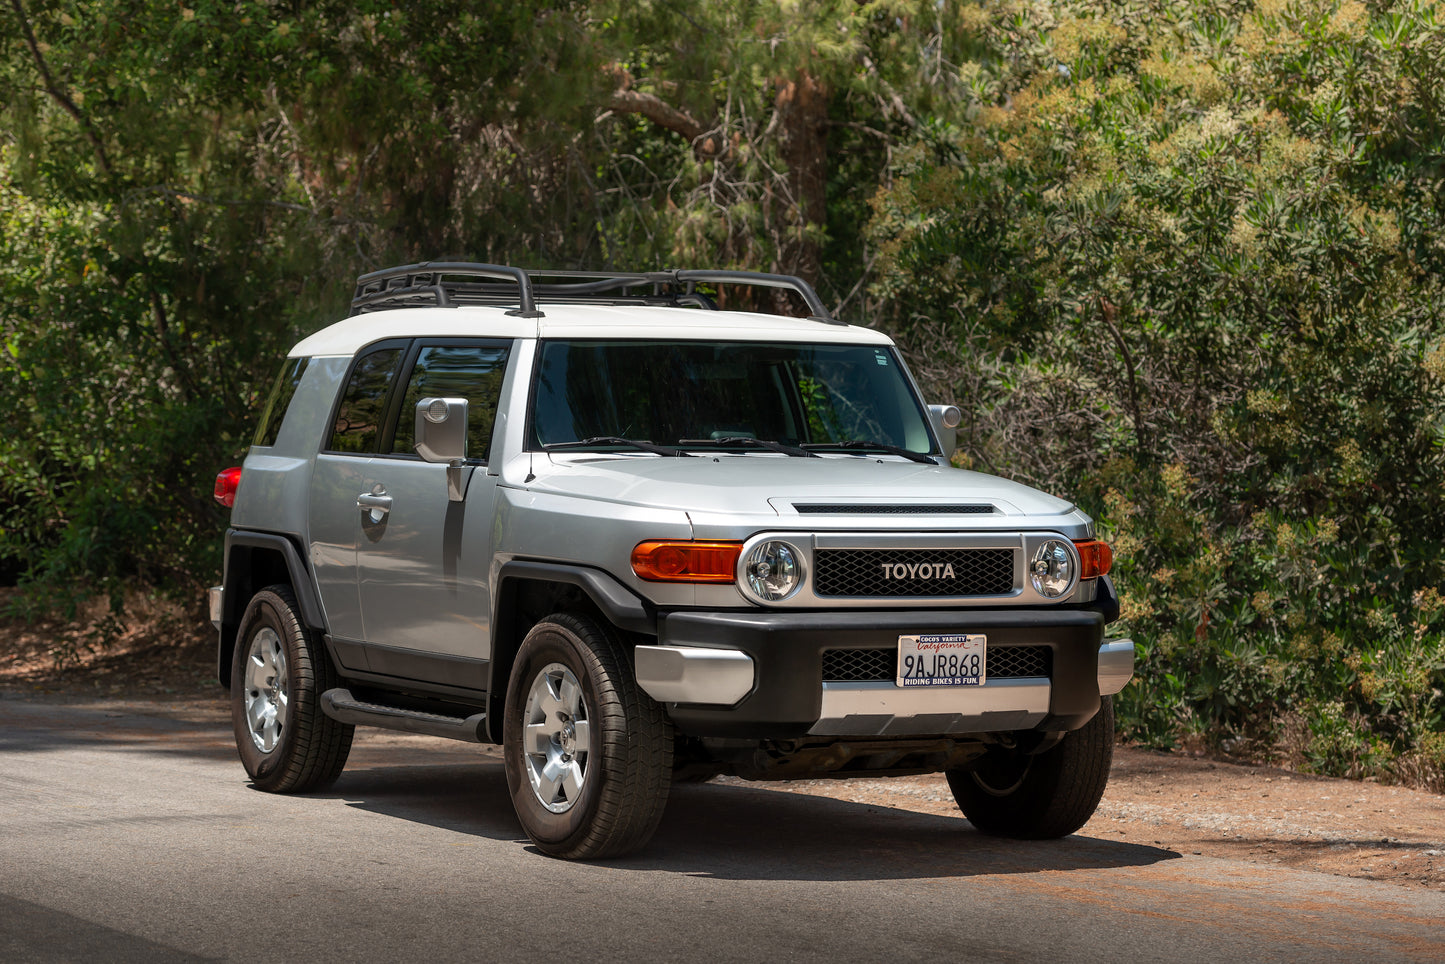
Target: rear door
point(340, 474)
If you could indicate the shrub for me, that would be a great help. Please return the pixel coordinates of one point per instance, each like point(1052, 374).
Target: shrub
point(1184, 260)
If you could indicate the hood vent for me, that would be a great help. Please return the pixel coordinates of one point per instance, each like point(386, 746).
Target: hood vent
point(839, 508)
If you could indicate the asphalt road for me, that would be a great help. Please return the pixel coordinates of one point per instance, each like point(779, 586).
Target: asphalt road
point(129, 837)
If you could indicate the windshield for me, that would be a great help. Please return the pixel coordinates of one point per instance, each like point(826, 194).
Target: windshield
point(675, 393)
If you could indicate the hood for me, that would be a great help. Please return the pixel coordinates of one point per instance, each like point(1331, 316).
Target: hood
point(768, 485)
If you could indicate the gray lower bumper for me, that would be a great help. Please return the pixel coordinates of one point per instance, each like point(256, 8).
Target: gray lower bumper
point(1116, 665)
point(882, 709)
point(721, 677)
point(692, 674)
point(787, 652)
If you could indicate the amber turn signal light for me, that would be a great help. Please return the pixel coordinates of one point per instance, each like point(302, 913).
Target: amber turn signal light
point(1095, 558)
point(683, 560)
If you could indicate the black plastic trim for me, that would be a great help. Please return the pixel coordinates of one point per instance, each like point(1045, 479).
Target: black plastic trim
point(341, 706)
point(623, 608)
point(1105, 601)
point(618, 605)
point(788, 647)
point(306, 598)
point(409, 667)
point(237, 574)
point(420, 689)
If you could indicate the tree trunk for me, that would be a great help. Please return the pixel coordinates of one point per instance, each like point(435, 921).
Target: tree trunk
point(802, 105)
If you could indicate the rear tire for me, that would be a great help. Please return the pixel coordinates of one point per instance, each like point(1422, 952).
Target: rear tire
point(279, 671)
point(588, 754)
point(1008, 793)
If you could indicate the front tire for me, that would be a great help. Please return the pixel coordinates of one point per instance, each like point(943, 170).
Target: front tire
point(279, 671)
point(1009, 793)
point(588, 754)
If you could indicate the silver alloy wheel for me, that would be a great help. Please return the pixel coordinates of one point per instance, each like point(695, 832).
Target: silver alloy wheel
point(556, 738)
point(266, 681)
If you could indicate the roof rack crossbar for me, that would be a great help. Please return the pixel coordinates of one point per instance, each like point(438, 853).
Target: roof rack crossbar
point(472, 297)
point(404, 285)
point(602, 282)
point(425, 277)
point(757, 278)
point(405, 296)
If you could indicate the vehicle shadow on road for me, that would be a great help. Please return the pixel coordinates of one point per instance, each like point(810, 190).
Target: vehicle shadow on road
point(730, 831)
point(752, 832)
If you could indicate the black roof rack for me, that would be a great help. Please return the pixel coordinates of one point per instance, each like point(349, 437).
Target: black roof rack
point(446, 284)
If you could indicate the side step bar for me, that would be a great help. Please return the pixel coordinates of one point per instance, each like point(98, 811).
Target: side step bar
point(342, 707)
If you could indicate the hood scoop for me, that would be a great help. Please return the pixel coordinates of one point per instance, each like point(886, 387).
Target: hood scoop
point(891, 508)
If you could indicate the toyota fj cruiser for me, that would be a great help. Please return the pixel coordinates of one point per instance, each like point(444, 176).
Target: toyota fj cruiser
point(636, 539)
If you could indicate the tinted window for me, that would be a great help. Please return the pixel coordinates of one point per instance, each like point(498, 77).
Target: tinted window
point(670, 392)
point(363, 407)
point(279, 400)
point(473, 372)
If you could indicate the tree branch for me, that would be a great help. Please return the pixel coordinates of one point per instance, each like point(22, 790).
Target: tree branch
point(624, 100)
point(1108, 310)
point(656, 110)
point(175, 194)
point(58, 95)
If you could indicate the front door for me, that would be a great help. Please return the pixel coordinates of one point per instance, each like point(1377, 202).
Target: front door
point(422, 561)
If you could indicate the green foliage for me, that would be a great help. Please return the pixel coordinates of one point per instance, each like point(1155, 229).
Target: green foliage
point(784, 118)
point(1180, 258)
point(187, 189)
point(1192, 253)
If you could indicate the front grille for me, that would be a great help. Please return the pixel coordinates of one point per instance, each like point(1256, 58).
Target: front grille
point(914, 572)
point(892, 508)
point(868, 665)
point(1020, 662)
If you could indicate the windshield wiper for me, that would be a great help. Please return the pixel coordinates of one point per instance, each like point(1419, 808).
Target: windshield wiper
point(618, 440)
point(769, 444)
point(859, 443)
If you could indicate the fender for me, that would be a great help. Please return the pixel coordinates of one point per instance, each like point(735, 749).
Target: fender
point(619, 605)
point(622, 607)
point(244, 577)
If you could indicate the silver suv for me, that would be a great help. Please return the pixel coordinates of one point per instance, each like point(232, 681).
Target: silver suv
point(636, 539)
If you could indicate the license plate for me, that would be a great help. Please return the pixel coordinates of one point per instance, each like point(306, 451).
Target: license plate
point(942, 660)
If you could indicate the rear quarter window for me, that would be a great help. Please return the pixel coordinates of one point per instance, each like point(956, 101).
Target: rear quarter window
point(362, 413)
point(282, 391)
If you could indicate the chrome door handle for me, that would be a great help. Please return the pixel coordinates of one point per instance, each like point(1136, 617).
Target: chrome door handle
point(376, 504)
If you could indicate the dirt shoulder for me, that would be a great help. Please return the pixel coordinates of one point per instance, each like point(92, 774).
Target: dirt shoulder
point(1217, 809)
point(1192, 805)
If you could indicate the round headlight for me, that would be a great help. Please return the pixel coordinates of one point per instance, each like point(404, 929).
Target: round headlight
point(772, 570)
point(1051, 572)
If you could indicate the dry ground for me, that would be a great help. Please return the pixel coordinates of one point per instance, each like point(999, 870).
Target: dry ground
point(162, 663)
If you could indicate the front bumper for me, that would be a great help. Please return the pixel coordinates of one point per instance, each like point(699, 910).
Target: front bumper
point(788, 697)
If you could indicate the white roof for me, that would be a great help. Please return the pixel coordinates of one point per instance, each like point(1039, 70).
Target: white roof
point(577, 321)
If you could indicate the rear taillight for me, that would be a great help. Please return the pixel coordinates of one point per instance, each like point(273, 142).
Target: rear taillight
point(226, 482)
point(1095, 558)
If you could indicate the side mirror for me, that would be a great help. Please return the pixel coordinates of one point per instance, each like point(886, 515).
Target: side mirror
point(441, 436)
point(946, 419)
